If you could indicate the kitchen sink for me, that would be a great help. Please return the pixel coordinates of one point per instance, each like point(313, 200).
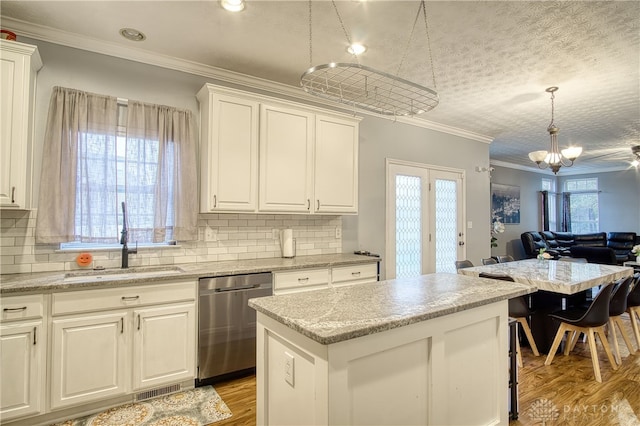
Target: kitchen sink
point(120, 274)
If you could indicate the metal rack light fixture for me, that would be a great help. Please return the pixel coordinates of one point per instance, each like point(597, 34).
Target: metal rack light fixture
point(556, 158)
point(366, 88)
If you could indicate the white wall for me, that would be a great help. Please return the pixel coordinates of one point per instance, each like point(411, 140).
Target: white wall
point(379, 138)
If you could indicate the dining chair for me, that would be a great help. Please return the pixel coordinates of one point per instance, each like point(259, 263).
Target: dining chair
point(505, 258)
point(590, 322)
point(617, 307)
point(460, 264)
point(633, 307)
point(489, 261)
point(520, 311)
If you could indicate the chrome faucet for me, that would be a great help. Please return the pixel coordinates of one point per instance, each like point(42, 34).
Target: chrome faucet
point(124, 238)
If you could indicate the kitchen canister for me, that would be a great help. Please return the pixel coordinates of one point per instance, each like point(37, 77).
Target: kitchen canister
point(287, 243)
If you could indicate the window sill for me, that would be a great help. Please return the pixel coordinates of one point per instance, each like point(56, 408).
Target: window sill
point(117, 248)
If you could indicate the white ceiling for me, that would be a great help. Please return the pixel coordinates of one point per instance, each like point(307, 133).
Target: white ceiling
point(492, 60)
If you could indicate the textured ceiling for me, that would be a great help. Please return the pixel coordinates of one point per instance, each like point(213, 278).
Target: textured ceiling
point(492, 60)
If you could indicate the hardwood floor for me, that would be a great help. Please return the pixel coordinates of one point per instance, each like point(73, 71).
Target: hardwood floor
point(563, 393)
point(240, 397)
point(566, 393)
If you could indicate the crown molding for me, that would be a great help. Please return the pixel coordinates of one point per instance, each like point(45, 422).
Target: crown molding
point(565, 171)
point(51, 35)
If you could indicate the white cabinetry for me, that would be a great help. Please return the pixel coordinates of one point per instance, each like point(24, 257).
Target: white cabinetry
point(111, 342)
point(22, 352)
point(19, 64)
point(314, 279)
point(286, 155)
point(261, 154)
point(229, 152)
point(336, 165)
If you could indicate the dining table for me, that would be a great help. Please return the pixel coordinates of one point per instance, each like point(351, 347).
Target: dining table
point(561, 285)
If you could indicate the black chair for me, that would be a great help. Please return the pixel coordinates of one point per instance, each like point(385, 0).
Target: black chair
point(504, 258)
point(617, 307)
point(622, 243)
point(603, 255)
point(633, 307)
point(460, 264)
point(589, 322)
point(518, 310)
point(489, 261)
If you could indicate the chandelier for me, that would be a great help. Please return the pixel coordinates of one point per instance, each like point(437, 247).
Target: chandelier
point(369, 89)
point(556, 158)
point(635, 150)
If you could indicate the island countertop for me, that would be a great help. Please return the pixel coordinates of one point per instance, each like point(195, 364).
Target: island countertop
point(337, 314)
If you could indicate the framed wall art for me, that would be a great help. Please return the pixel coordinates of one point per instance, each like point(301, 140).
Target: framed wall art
point(505, 203)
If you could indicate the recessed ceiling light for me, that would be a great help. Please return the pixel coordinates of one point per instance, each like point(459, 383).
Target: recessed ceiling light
point(132, 34)
point(356, 49)
point(232, 5)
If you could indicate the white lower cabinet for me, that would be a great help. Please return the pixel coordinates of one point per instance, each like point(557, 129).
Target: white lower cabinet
point(163, 345)
point(112, 342)
point(314, 279)
point(89, 358)
point(22, 357)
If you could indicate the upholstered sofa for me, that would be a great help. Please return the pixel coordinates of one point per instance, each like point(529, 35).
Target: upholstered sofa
point(560, 243)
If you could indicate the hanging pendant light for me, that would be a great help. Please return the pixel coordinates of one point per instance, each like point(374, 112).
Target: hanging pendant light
point(556, 158)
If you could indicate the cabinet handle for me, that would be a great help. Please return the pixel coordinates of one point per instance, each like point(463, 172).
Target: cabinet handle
point(35, 330)
point(355, 274)
point(121, 325)
point(318, 208)
point(9, 310)
point(130, 298)
point(138, 321)
point(215, 201)
point(303, 280)
point(308, 204)
point(13, 194)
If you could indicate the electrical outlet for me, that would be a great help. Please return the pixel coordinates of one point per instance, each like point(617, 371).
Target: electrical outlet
point(210, 234)
point(338, 232)
point(289, 368)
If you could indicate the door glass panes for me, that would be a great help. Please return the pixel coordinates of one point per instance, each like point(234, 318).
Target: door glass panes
point(446, 225)
point(408, 226)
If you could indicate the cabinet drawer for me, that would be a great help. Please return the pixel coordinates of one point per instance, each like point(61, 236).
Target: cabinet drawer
point(122, 297)
point(22, 307)
point(303, 278)
point(354, 274)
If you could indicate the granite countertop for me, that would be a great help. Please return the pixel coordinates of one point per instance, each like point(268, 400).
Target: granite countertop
point(337, 314)
point(85, 279)
point(555, 276)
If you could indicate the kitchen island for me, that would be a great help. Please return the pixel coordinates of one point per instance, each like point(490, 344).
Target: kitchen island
point(430, 350)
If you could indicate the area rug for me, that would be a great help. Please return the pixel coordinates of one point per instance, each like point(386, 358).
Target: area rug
point(195, 407)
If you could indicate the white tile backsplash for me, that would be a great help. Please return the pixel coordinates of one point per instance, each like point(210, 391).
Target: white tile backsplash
point(238, 237)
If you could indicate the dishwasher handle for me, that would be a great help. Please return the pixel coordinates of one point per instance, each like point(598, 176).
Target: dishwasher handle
point(246, 287)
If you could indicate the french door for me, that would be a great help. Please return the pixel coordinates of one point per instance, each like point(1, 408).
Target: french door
point(425, 217)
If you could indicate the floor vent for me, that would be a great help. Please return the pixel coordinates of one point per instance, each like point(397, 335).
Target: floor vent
point(157, 392)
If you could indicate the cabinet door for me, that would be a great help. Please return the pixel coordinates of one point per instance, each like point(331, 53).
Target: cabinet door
point(164, 345)
point(229, 141)
point(22, 347)
point(286, 141)
point(18, 65)
point(336, 165)
point(89, 357)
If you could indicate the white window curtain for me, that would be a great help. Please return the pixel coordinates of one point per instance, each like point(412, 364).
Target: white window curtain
point(80, 188)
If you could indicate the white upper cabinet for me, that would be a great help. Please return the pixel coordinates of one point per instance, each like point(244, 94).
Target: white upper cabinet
point(229, 152)
point(19, 64)
point(336, 165)
point(286, 159)
point(266, 155)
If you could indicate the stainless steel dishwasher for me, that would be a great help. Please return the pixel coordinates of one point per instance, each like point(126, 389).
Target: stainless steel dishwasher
point(226, 324)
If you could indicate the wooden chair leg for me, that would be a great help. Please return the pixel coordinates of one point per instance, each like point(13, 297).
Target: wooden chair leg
point(607, 348)
point(594, 354)
point(527, 332)
point(625, 336)
point(634, 314)
point(612, 331)
point(556, 343)
point(572, 339)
